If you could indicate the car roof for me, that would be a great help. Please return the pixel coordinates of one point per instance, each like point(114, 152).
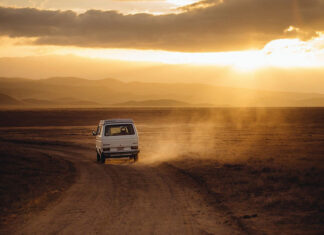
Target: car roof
point(115, 121)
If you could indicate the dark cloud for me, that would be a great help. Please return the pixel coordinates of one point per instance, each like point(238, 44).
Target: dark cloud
point(230, 25)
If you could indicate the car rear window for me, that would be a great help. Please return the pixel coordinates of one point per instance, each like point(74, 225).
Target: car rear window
point(120, 129)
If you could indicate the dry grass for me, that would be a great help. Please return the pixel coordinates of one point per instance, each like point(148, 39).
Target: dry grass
point(29, 180)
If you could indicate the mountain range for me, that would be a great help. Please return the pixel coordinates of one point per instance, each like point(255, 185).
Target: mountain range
point(71, 91)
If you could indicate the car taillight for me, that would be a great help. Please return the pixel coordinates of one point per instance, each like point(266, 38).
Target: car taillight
point(134, 147)
point(106, 149)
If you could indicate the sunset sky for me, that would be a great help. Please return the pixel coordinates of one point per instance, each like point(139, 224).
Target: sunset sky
point(240, 36)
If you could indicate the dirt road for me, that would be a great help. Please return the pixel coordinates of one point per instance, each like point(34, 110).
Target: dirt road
point(126, 198)
point(248, 173)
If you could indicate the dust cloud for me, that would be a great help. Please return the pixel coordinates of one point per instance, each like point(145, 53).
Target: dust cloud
point(222, 134)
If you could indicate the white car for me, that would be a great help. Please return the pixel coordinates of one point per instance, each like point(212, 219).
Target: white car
point(116, 138)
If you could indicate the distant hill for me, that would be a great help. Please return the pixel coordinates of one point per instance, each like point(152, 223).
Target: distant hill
point(153, 103)
point(109, 92)
point(37, 102)
point(315, 102)
point(73, 101)
point(8, 100)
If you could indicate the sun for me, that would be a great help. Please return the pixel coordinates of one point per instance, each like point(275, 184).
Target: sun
point(180, 3)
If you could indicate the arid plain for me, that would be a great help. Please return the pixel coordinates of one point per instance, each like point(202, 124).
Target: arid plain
point(200, 171)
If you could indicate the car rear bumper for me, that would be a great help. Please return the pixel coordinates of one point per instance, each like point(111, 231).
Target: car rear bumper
point(120, 154)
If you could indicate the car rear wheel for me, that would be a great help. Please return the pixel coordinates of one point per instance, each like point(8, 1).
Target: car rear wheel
point(135, 157)
point(98, 157)
point(103, 159)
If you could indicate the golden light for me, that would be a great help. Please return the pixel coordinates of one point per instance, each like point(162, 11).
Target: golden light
point(180, 3)
point(284, 53)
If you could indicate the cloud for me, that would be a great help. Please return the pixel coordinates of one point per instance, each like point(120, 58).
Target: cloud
point(201, 4)
point(226, 25)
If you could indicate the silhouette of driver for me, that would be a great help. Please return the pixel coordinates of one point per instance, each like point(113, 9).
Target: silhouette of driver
point(123, 130)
